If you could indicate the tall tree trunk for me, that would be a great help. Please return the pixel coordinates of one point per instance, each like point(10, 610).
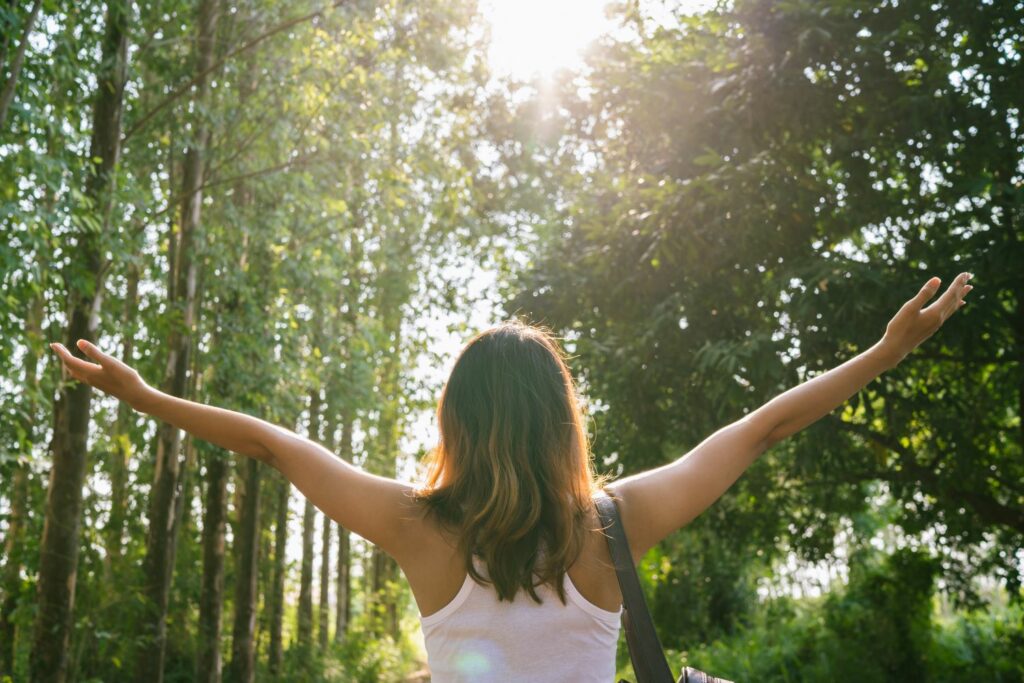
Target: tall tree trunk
point(160, 541)
point(12, 569)
point(266, 572)
point(343, 592)
point(211, 601)
point(280, 565)
point(114, 531)
point(242, 669)
point(324, 612)
point(305, 625)
point(182, 519)
point(58, 560)
point(305, 618)
point(10, 584)
point(325, 583)
point(385, 569)
point(247, 537)
point(211, 597)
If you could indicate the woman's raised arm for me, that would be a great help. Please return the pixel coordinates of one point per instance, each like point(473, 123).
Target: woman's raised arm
point(657, 502)
point(377, 508)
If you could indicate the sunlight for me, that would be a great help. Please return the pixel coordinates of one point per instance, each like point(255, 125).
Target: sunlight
point(538, 37)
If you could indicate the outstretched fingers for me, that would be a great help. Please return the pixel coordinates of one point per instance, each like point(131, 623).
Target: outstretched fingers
point(76, 366)
point(926, 293)
point(91, 350)
point(952, 298)
point(963, 300)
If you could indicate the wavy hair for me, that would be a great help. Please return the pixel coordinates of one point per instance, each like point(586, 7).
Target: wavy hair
point(512, 472)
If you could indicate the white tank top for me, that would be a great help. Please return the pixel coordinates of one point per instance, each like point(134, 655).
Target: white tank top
point(477, 638)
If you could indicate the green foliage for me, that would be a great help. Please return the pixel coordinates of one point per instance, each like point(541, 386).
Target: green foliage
point(766, 184)
point(364, 658)
point(336, 199)
point(730, 203)
point(882, 626)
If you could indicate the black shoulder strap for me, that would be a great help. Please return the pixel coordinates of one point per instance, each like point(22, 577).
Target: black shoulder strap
point(649, 663)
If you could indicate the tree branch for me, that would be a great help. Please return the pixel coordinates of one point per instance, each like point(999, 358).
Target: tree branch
point(19, 59)
point(987, 507)
point(185, 87)
point(174, 200)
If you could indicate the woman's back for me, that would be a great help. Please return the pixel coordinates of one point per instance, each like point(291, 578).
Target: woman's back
point(476, 637)
point(472, 636)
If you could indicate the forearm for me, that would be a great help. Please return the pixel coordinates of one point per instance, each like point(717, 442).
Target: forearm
point(228, 429)
point(807, 403)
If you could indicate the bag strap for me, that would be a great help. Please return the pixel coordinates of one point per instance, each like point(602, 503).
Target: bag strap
point(649, 663)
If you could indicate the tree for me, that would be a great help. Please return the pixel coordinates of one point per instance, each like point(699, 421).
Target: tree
point(304, 638)
point(243, 637)
point(343, 592)
point(84, 282)
point(276, 654)
point(764, 185)
point(183, 297)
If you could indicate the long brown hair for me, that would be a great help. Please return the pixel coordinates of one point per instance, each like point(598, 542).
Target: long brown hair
point(513, 471)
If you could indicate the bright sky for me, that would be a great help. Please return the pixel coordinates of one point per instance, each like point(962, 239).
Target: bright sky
point(528, 38)
point(537, 37)
point(540, 36)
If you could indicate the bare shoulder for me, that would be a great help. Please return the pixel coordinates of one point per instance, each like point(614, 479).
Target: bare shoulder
point(422, 537)
point(630, 505)
point(429, 558)
point(593, 574)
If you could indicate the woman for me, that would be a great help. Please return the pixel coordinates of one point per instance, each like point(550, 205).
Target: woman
point(502, 547)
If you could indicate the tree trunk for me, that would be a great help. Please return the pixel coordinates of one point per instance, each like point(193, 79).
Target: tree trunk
point(160, 542)
point(181, 519)
point(325, 583)
point(324, 612)
point(280, 565)
point(343, 616)
point(385, 569)
point(305, 619)
point(343, 593)
point(211, 597)
point(266, 572)
point(305, 625)
point(12, 568)
point(11, 584)
point(114, 531)
point(58, 560)
point(243, 649)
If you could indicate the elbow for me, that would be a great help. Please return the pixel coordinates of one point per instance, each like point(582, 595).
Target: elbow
point(265, 456)
point(764, 433)
point(780, 432)
point(775, 435)
point(265, 448)
point(769, 441)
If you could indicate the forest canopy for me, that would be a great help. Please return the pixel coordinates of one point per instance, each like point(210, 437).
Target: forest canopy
point(302, 210)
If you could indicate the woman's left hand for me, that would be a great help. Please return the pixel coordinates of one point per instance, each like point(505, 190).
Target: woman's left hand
point(913, 323)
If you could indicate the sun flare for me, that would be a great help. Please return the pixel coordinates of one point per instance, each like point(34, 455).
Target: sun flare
point(537, 37)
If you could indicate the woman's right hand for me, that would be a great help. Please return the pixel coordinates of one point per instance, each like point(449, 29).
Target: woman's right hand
point(111, 376)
